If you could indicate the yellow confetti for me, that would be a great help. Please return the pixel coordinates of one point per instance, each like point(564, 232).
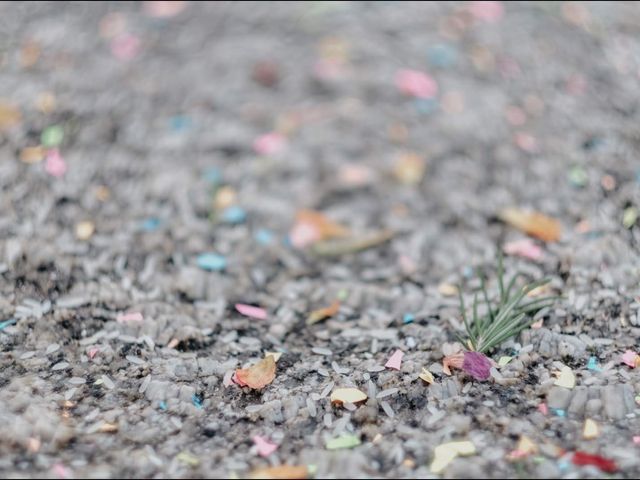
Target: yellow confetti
point(504, 360)
point(322, 313)
point(188, 459)
point(409, 168)
point(444, 454)
point(447, 290)
point(225, 197)
point(84, 230)
point(276, 355)
point(46, 102)
point(30, 155)
point(591, 429)
point(427, 376)
point(102, 193)
point(525, 447)
point(348, 395)
point(566, 378)
point(9, 116)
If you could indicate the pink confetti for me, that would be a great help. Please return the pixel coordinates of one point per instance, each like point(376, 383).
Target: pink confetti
point(236, 380)
point(125, 47)
point(395, 360)
point(92, 352)
point(328, 69)
point(526, 248)
point(416, 84)
point(487, 11)
point(61, 471)
point(526, 142)
point(303, 234)
point(163, 9)
point(55, 164)
point(630, 358)
point(251, 311)
point(636, 439)
point(270, 143)
point(265, 447)
point(543, 409)
point(129, 317)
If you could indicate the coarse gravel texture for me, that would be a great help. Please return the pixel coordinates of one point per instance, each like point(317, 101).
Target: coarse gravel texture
point(524, 102)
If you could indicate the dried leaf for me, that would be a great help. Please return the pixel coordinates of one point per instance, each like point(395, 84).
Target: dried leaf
point(427, 376)
point(312, 226)
point(352, 244)
point(322, 313)
point(259, 375)
point(283, 472)
point(532, 223)
point(348, 395)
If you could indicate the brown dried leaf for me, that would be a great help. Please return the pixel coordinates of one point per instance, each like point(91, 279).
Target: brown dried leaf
point(259, 375)
point(322, 313)
point(283, 472)
point(325, 226)
point(532, 223)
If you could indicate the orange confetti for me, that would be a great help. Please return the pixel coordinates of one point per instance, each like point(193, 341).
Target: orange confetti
point(312, 226)
point(533, 223)
point(409, 168)
point(322, 313)
point(259, 375)
point(9, 116)
point(283, 472)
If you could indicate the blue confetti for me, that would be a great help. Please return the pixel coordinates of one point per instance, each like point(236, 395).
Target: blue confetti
point(467, 272)
point(264, 237)
point(150, 224)
point(559, 412)
point(197, 401)
point(442, 55)
point(564, 465)
point(426, 106)
point(180, 123)
point(593, 364)
point(212, 175)
point(6, 323)
point(212, 262)
point(234, 215)
point(162, 405)
point(408, 318)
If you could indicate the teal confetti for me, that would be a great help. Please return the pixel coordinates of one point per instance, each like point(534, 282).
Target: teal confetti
point(559, 412)
point(408, 318)
point(6, 323)
point(150, 224)
point(162, 405)
point(234, 215)
point(593, 364)
point(52, 136)
point(212, 262)
point(197, 401)
point(264, 237)
point(426, 106)
point(442, 55)
point(212, 175)
point(180, 123)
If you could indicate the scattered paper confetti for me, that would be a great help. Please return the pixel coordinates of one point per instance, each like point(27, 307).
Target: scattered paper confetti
point(525, 248)
point(55, 164)
point(343, 441)
point(578, 176)
point(322, 313)
point(395, 360)
point(259, 375)
point(427, 376)
point(444, 454)
point(251, 311)
point(525, 447)
point(264, 237)
point(636, 439)
point(447, 290)
point(7, 323)
point(566, 378)
point(442, 55)
point(212, 262)
point(487, 11)
point(543, 409)
point(224, 197)
point(270, 144)
point(188, 459)
point(276, 355)
point(559, 412)
point(283, 472)
point(30, 155)
point(311, 227)
point(592, 364)
point(265, 447)
point(631, 358)
point(590, 430)
point(84, 230)
point(129, 317)
point(408, 318)
point(355, 175)
point(504, 360)
point(125, 47)
point(416, 84)
point(409, 168)
point(10, 116)
point(196, 400)
point(353, 244)
point(61, 471)
point(604, 464)
point(163, 9)
point(533, 223)
point(52, 136)
point(234, 215)
point(347, 395)
point(630, 217)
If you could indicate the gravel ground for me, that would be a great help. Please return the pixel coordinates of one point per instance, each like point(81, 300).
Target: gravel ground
point(163, 116)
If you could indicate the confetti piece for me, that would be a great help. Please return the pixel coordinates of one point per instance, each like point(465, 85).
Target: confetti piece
point(559, 412)
point(629, 217)
point(408, 318)
point(352, 244)
point(504, 360)
point(343, 441)
point(591, 429)
point(444, 454)
point(577, 176)
point(225, 197)
point(533, 223)
point(196, 400)
point(150, 224)
point(283, 472)
point(477, 365)
point(266, 73)
point(92, 352)
point(593, 364)
point(270, 144)
point(525, 248)
point(276, 355)
point(355, 175)
point(234, 215)
point(129, 317)
point(264, 237)
point(7, 323)
point(265, 447)
point(251, 311)
point(490, 12)
point(543, 409)
point(55, 164)
point(347, 395)
point(526, 142)
point(566, 378)
point(61, 471)
point(427, 376)
point(322, 313)
point(416, 84)
point(10, 116)
point(107, 427)
point(631, 358)
point(636, 439)
point(311, 227)
point(525, 447)
point(125, 47)
point(259, 375)
point(162, 405)
point(395, 360)
point(84, 230)
point(46, 102)
point(409, 168)
point(212, 175)
point(604, 464)
point(537, 324)
point(188, 459)
point(52, 136)
point(212, 262)
point(442, 55)
point(163, 9)
point(30, 155)
point(447, 290)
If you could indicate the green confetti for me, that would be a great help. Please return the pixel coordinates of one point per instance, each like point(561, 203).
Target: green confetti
point(344, 441)
point(343, 294)
point(52, 136)
point(188, 459)
point(578, 176)
point(504, 360)
point(629, 217)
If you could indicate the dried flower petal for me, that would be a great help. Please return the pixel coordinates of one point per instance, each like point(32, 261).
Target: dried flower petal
point(259, 375)
point(348, 395)
point(477, 365)
point(456, 361)
point(312, 226)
